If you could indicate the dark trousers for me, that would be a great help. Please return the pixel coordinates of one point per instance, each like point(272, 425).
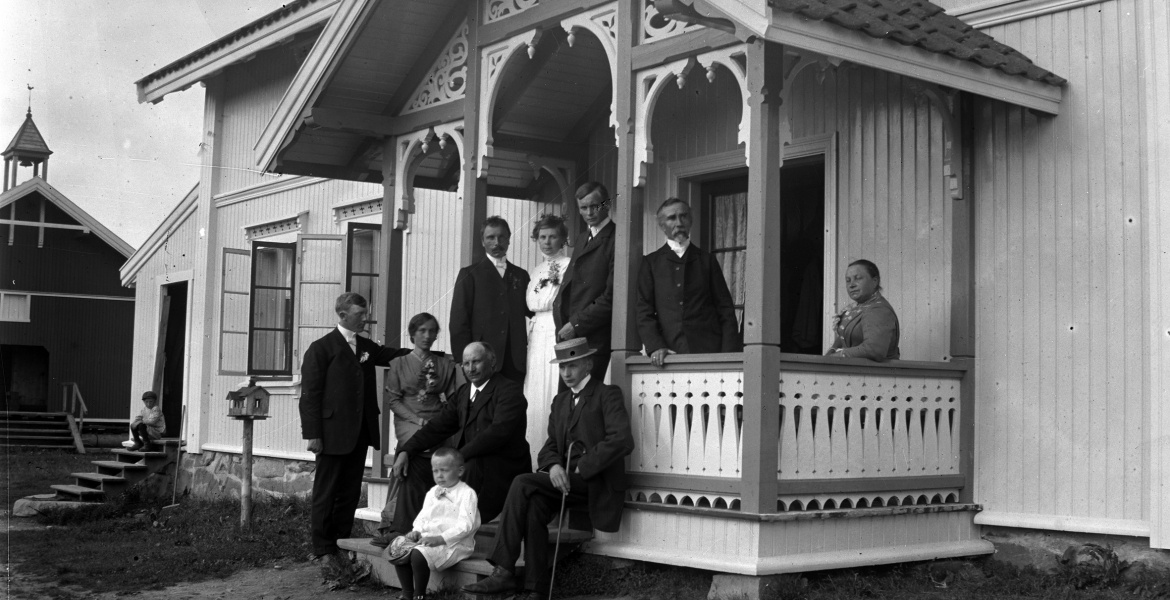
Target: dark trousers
point(337, 488)
point(600, 366)
point(532, 502)
point(141, 434)
point(508, 365)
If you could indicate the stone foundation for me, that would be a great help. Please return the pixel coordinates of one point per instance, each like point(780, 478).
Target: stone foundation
point(212, 474)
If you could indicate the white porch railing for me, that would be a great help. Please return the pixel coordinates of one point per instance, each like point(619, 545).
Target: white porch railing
point(851, 433)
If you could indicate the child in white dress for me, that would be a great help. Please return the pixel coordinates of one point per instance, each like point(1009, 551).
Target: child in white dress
point(444, 529)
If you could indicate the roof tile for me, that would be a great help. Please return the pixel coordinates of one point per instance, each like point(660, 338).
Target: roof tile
point(925, 25)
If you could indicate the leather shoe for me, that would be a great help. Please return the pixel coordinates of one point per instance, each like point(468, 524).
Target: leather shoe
point(501, 580)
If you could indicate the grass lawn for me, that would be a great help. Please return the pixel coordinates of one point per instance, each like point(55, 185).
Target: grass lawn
point(27, 472)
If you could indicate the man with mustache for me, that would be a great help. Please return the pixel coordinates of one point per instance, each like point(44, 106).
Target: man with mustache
point(488, 304)
point(684, 305)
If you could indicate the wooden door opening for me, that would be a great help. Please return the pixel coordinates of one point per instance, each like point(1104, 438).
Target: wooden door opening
point(171, 365)
point(723, 232)
point(26, 377)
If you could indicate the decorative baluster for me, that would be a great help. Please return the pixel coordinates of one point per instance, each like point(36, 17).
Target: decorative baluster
point(901, 438)
point(837, 428)
point(930, 448)
point(946, 463)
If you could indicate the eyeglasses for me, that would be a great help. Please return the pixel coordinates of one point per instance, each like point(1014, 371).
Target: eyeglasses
point(592, 208)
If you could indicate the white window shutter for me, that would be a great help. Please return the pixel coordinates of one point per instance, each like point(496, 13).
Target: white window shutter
point(233, 312)
point(320, 271)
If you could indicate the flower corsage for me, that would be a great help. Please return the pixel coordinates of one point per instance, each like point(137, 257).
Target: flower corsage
point(552, 278)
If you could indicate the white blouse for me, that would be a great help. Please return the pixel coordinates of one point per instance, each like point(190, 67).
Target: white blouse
point(541, 287)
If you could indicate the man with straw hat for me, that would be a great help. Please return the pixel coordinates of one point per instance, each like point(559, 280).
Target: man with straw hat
point(580, 465)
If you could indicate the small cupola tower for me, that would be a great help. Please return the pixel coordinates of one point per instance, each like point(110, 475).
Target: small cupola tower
point(27, 149)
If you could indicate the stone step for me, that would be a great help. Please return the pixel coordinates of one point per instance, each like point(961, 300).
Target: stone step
point(72, 492)
point(99, 480)
point(119, 466)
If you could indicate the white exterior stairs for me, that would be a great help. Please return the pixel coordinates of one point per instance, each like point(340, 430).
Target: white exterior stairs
point(465, 572)
point(113, 477)
point(40, 430)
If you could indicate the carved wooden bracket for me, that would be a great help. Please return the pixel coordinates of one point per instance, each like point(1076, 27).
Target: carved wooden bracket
point(563, 172)
point(494, 58)
point(806, 60)
point(650, 83)
point(410, 150)
point(945, 101)
point(602, 22)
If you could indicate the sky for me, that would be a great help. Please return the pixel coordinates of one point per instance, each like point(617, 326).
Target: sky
point(126, 164)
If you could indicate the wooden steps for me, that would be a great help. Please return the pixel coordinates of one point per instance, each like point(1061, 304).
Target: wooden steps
point(465, 572)
point(114, 477)
point(40, 430)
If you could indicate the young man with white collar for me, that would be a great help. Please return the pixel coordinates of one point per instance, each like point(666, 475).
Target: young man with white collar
point(488, 304)
point(684, 305)
point(588, 436)
point(584, 303)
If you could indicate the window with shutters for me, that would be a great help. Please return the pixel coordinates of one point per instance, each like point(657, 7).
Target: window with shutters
point(233, 312)
point(15, 307)
point(361, 268)
point(270, 327)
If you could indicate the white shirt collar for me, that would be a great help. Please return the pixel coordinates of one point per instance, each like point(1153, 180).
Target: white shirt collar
point(596, 230)
point(678, 248)
point(350, 336)
point(500, 263)
point(581, 385)
point(479, 388)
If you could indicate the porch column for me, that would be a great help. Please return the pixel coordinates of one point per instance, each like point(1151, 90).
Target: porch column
point(963, 288)
point(390, 275)
point(629, 208)
point(474, 208)
point(761, 354)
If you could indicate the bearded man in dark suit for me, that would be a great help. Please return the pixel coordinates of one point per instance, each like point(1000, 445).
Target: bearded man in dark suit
point(488, 304)
point(486, 424)
point(581, 462)
point(584, 303)
point(684, 305)
point(339, 418)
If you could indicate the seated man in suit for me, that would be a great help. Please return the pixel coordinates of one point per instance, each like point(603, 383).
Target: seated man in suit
point(488, 304)
point(339, 418)
point(486, 424)
point(588, 436)
point(684, 305)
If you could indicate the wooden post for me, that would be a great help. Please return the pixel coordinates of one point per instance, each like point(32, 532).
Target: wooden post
point(390, 273)
point(45, 171)
point(474, 209)
point(246, 478)
point(963, 290)
point(761, 360)
point(7, 167)
point(628, 206)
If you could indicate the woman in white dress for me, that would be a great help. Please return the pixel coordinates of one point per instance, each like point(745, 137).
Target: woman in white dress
point(540, 384)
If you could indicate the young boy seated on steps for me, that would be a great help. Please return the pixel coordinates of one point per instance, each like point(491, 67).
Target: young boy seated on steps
point(149, 424)
point(444, 531)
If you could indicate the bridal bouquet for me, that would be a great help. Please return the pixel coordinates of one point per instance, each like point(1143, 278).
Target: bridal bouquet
point(552, 278)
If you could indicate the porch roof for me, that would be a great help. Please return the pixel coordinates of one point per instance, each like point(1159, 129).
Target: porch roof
point(312, 134)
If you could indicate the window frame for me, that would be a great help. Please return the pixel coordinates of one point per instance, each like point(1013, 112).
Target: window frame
point(347, 283)
point(733, 184)
point(290, 317)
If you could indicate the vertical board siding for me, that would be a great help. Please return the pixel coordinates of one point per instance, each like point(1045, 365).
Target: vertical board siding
point(176, 253)
point(893, 207)
point(1060, 279)
point(1151, 29)
point(251, 93)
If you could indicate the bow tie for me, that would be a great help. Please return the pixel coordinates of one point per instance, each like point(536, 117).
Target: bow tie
point(442, 492)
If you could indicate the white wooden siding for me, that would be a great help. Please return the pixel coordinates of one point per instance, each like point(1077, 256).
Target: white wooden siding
point(893, 208)
point(1060, 284)
point(251, 93)
point(174, 255)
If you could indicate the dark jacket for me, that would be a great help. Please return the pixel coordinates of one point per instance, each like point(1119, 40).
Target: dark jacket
point(872, 334)
point(585, 297)
point(338, 389)
point(602, 423)
point(488, 308)
point(684, 303)
point(490, 433)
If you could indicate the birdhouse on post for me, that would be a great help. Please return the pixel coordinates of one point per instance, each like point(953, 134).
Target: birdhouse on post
point(250, 402)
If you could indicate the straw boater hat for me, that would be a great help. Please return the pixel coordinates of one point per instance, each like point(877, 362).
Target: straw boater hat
point(571, 350)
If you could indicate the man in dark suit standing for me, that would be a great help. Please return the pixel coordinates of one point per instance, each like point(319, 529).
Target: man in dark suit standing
point(684, 305)
point(584, 303)
point(486, 424)
point(488, 304)
point(588, 435)
point(339, 418)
